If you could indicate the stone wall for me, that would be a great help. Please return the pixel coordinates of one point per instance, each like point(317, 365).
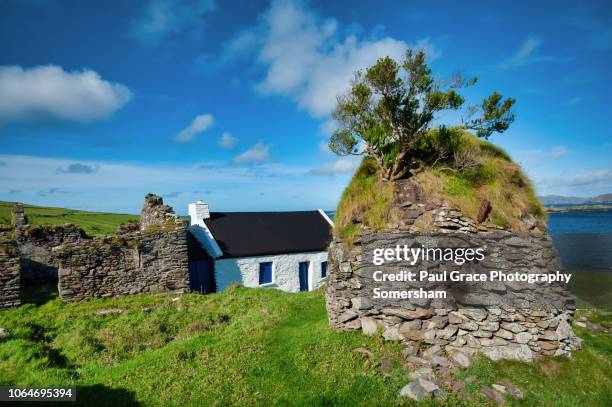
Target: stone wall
point(136, 260)
point(35, 244)
point(9, 270)
point(126, 264)
point(155, 214)
point(487, 321)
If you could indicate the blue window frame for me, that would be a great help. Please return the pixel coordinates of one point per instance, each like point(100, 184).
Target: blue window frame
point(324, 269)
point(265, 272)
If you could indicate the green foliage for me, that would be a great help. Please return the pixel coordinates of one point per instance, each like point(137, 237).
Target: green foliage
point(496, 116)
point(458, 186)
point(391, 107)
point(93, 223)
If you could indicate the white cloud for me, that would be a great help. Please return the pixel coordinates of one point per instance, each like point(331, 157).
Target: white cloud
point(539, 155)
point(559, 151)
point(257, 154)
point(201, 123)
point(227, 141)
point(328, 127)
point(162, 18)
point(529, 46)
point(123, 185)
point(587, 183)
point(575, 101)
point(428, 47)
point(241, 41)
point(310, 61)
point(239, 46)
point(50, 93)
point(527, 54)
point(324, 147)
point(340, 166)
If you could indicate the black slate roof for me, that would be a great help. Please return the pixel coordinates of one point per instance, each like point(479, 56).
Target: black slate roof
point(242, 234)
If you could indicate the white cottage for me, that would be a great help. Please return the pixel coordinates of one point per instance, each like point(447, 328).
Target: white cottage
point(285, 250)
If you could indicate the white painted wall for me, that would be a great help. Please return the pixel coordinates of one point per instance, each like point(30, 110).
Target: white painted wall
point(285, 271)
point(198, 212)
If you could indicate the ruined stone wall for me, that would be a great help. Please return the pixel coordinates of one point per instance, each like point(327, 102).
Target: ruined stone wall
point(138, 259)
point(134, 261)
point(35, 244)
point(155, 214)
point(476, 318)
point(9, 270)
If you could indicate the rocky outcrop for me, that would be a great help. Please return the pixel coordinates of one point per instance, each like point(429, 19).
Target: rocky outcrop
point(9, 270)
point(510, 320)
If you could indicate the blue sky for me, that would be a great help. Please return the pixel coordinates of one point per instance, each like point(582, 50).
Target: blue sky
point(229, 101)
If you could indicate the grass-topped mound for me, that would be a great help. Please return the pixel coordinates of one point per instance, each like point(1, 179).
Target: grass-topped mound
point(391, 115)
point(482, 171)
point(451, 168)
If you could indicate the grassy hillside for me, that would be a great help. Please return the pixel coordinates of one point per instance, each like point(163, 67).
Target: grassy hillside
point(94, 223)
point(249, 347)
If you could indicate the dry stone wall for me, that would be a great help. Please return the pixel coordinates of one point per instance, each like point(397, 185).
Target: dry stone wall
point(35, 244)
point(126, 264)
point(140, 258)
point(486, 322)
point(9, 270)
point(145, 258)
point(155, 214)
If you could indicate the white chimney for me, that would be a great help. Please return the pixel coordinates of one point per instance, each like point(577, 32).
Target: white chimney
point(198, 212)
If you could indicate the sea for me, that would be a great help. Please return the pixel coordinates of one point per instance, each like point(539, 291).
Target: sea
point(583, 239)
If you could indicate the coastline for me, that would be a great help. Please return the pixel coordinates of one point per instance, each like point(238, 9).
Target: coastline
point(582, 208)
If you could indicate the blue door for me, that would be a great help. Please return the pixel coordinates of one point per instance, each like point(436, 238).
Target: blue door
point(201, 276)
point(304, 275)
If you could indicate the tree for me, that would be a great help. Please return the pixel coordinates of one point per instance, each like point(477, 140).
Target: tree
point(391, 107)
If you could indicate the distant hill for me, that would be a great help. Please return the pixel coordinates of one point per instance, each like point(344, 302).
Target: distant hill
point(558, 199)
point(94, 223)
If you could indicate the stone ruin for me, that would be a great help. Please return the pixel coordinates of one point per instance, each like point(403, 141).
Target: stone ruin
point(486, 321)
point(10, 270)
point(150, 256)
point(155, 214)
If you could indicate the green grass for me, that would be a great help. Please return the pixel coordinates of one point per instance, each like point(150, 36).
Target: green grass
point(246, 347)
point(583, 380)
point(492, 176)
point(93, 223)
point(242, 346)
point(367, 198)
